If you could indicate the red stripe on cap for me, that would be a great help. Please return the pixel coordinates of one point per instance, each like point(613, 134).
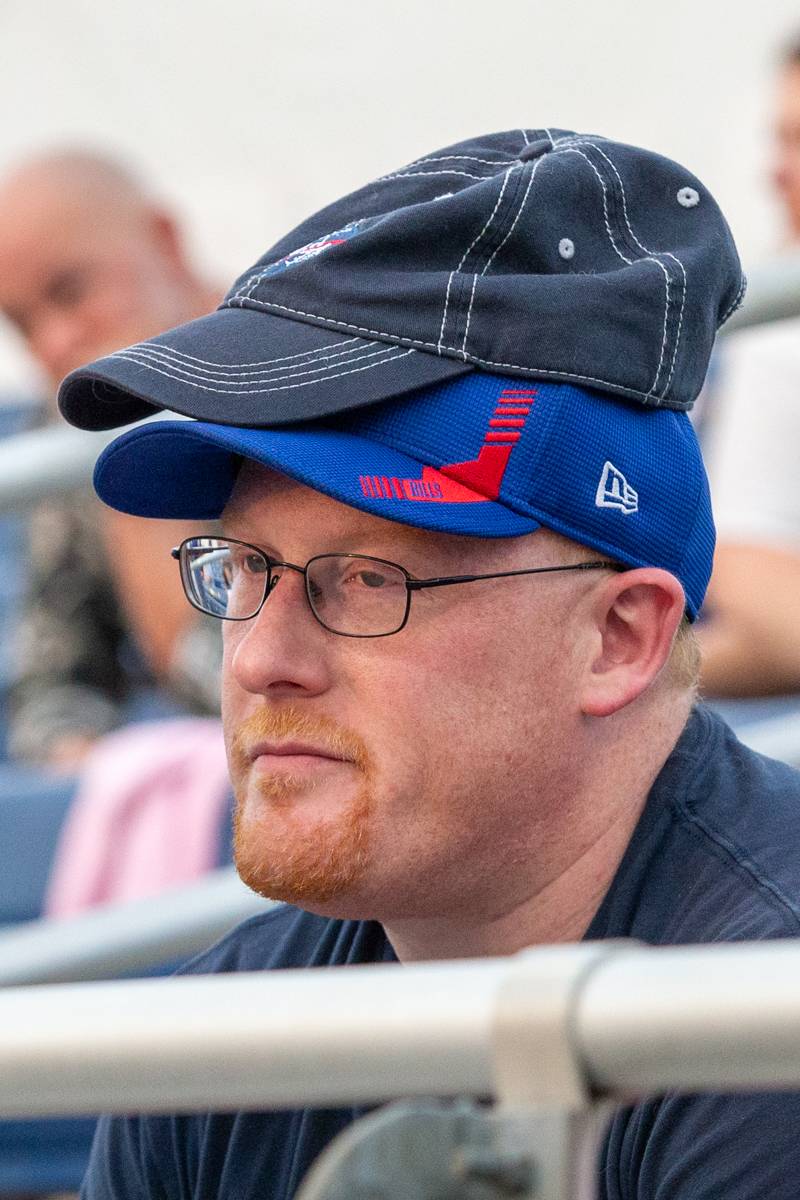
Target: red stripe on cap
point(366, 486)
point(376, 483)
point(502, 437)
point(506, 423)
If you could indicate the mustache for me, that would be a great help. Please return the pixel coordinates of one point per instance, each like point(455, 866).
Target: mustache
point(289, 722)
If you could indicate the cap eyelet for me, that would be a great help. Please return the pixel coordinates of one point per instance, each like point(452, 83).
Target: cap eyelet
point(688, 197)
point(566, 248)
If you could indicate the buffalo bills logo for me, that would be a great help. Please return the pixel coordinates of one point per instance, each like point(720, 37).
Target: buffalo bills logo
point(313, 249)
point(464, 482)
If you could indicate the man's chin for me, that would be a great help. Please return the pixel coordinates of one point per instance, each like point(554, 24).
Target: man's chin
point(318, 863)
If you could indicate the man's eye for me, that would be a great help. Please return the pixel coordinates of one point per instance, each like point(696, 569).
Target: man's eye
point(67, 288)
point(372, 579)
point(254, 564)
point(365, 578)
point(248, 564)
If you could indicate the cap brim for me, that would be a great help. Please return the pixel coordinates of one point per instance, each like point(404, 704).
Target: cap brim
point(239, 366)
point(186, 470)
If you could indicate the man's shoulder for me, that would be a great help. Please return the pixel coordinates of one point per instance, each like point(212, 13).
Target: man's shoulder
point(714, 856)
point(741, 810)
point(285, 936)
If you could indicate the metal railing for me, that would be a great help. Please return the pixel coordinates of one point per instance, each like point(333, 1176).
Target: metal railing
point(632, 1021)
point(51, 461)
point(119, 939)
point(773, 293)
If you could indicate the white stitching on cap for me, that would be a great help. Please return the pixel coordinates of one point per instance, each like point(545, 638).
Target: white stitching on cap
point(580, 139)
point(666, 253)
point(444, 312)
point(234, 384)
point(488, 162)
point(574, 150)
point(525, 137)
point(265, 391)
point(413, 174)
point(734, 304)
point(468, 251)
point(251, 283)
point(494, 252)
point(254, 376)
point(491, 217)
point(497, 249)
point(552, 140)
point(625, 259)
point(247, 286)
point(160, 353)
point(266, 362)
point(402, 340)
point(684, 291)
point(469, 318)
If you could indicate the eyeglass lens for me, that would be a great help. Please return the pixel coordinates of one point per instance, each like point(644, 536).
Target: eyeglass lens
point(362, 597)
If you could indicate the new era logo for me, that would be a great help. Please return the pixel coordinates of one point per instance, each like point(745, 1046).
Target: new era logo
point(614, 491)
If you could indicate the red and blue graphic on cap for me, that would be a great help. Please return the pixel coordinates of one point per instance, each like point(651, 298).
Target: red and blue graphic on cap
point(464, 482)
point(312, 249)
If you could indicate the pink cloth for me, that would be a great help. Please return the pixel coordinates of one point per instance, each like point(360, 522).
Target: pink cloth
point(147, 815)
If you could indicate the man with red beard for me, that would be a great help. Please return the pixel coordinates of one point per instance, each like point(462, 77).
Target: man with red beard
point(465, 531)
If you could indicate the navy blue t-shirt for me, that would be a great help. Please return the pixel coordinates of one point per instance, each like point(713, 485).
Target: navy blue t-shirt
point(715, 857)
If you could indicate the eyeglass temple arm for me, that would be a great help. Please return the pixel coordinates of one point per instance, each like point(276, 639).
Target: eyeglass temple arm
point(416, 585)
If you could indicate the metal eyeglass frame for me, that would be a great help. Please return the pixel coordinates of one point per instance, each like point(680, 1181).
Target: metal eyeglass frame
point(412, 584)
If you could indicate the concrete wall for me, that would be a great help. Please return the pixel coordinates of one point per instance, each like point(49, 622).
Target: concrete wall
point(249, 114)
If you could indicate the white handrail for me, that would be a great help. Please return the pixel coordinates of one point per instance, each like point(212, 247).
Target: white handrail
point(123, 938)
point(45, 462)
point(715, 1017)
point(773, 293)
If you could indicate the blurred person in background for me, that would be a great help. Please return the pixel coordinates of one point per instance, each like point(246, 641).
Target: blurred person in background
point(750, 638)
point(89, 262)
point(786, 152)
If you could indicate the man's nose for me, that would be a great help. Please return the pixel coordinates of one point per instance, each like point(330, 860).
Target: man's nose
point(282, 650)
point(56, 341)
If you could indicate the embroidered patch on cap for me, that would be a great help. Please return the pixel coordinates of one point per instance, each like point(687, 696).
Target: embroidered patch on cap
point(313, 249)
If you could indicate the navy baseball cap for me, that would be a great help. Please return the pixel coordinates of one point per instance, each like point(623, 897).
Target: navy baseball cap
point(486, 455)
point(539, 254)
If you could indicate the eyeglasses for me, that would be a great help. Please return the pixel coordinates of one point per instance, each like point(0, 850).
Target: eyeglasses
point(354, 595)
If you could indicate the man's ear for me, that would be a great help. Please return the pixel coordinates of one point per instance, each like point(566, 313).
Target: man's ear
point(167, 237)
point(634, 618)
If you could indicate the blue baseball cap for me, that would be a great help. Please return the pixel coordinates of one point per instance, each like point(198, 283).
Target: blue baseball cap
point(540, 254)
point(485, 455)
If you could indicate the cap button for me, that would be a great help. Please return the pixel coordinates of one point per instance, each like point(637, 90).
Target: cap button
point(534, 149)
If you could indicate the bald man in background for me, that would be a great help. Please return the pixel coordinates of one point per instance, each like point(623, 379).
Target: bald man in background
point(90, 262)
point(785, 167)
point(750, 640)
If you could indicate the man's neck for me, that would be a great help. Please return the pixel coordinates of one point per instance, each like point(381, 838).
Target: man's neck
point(565, 892)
